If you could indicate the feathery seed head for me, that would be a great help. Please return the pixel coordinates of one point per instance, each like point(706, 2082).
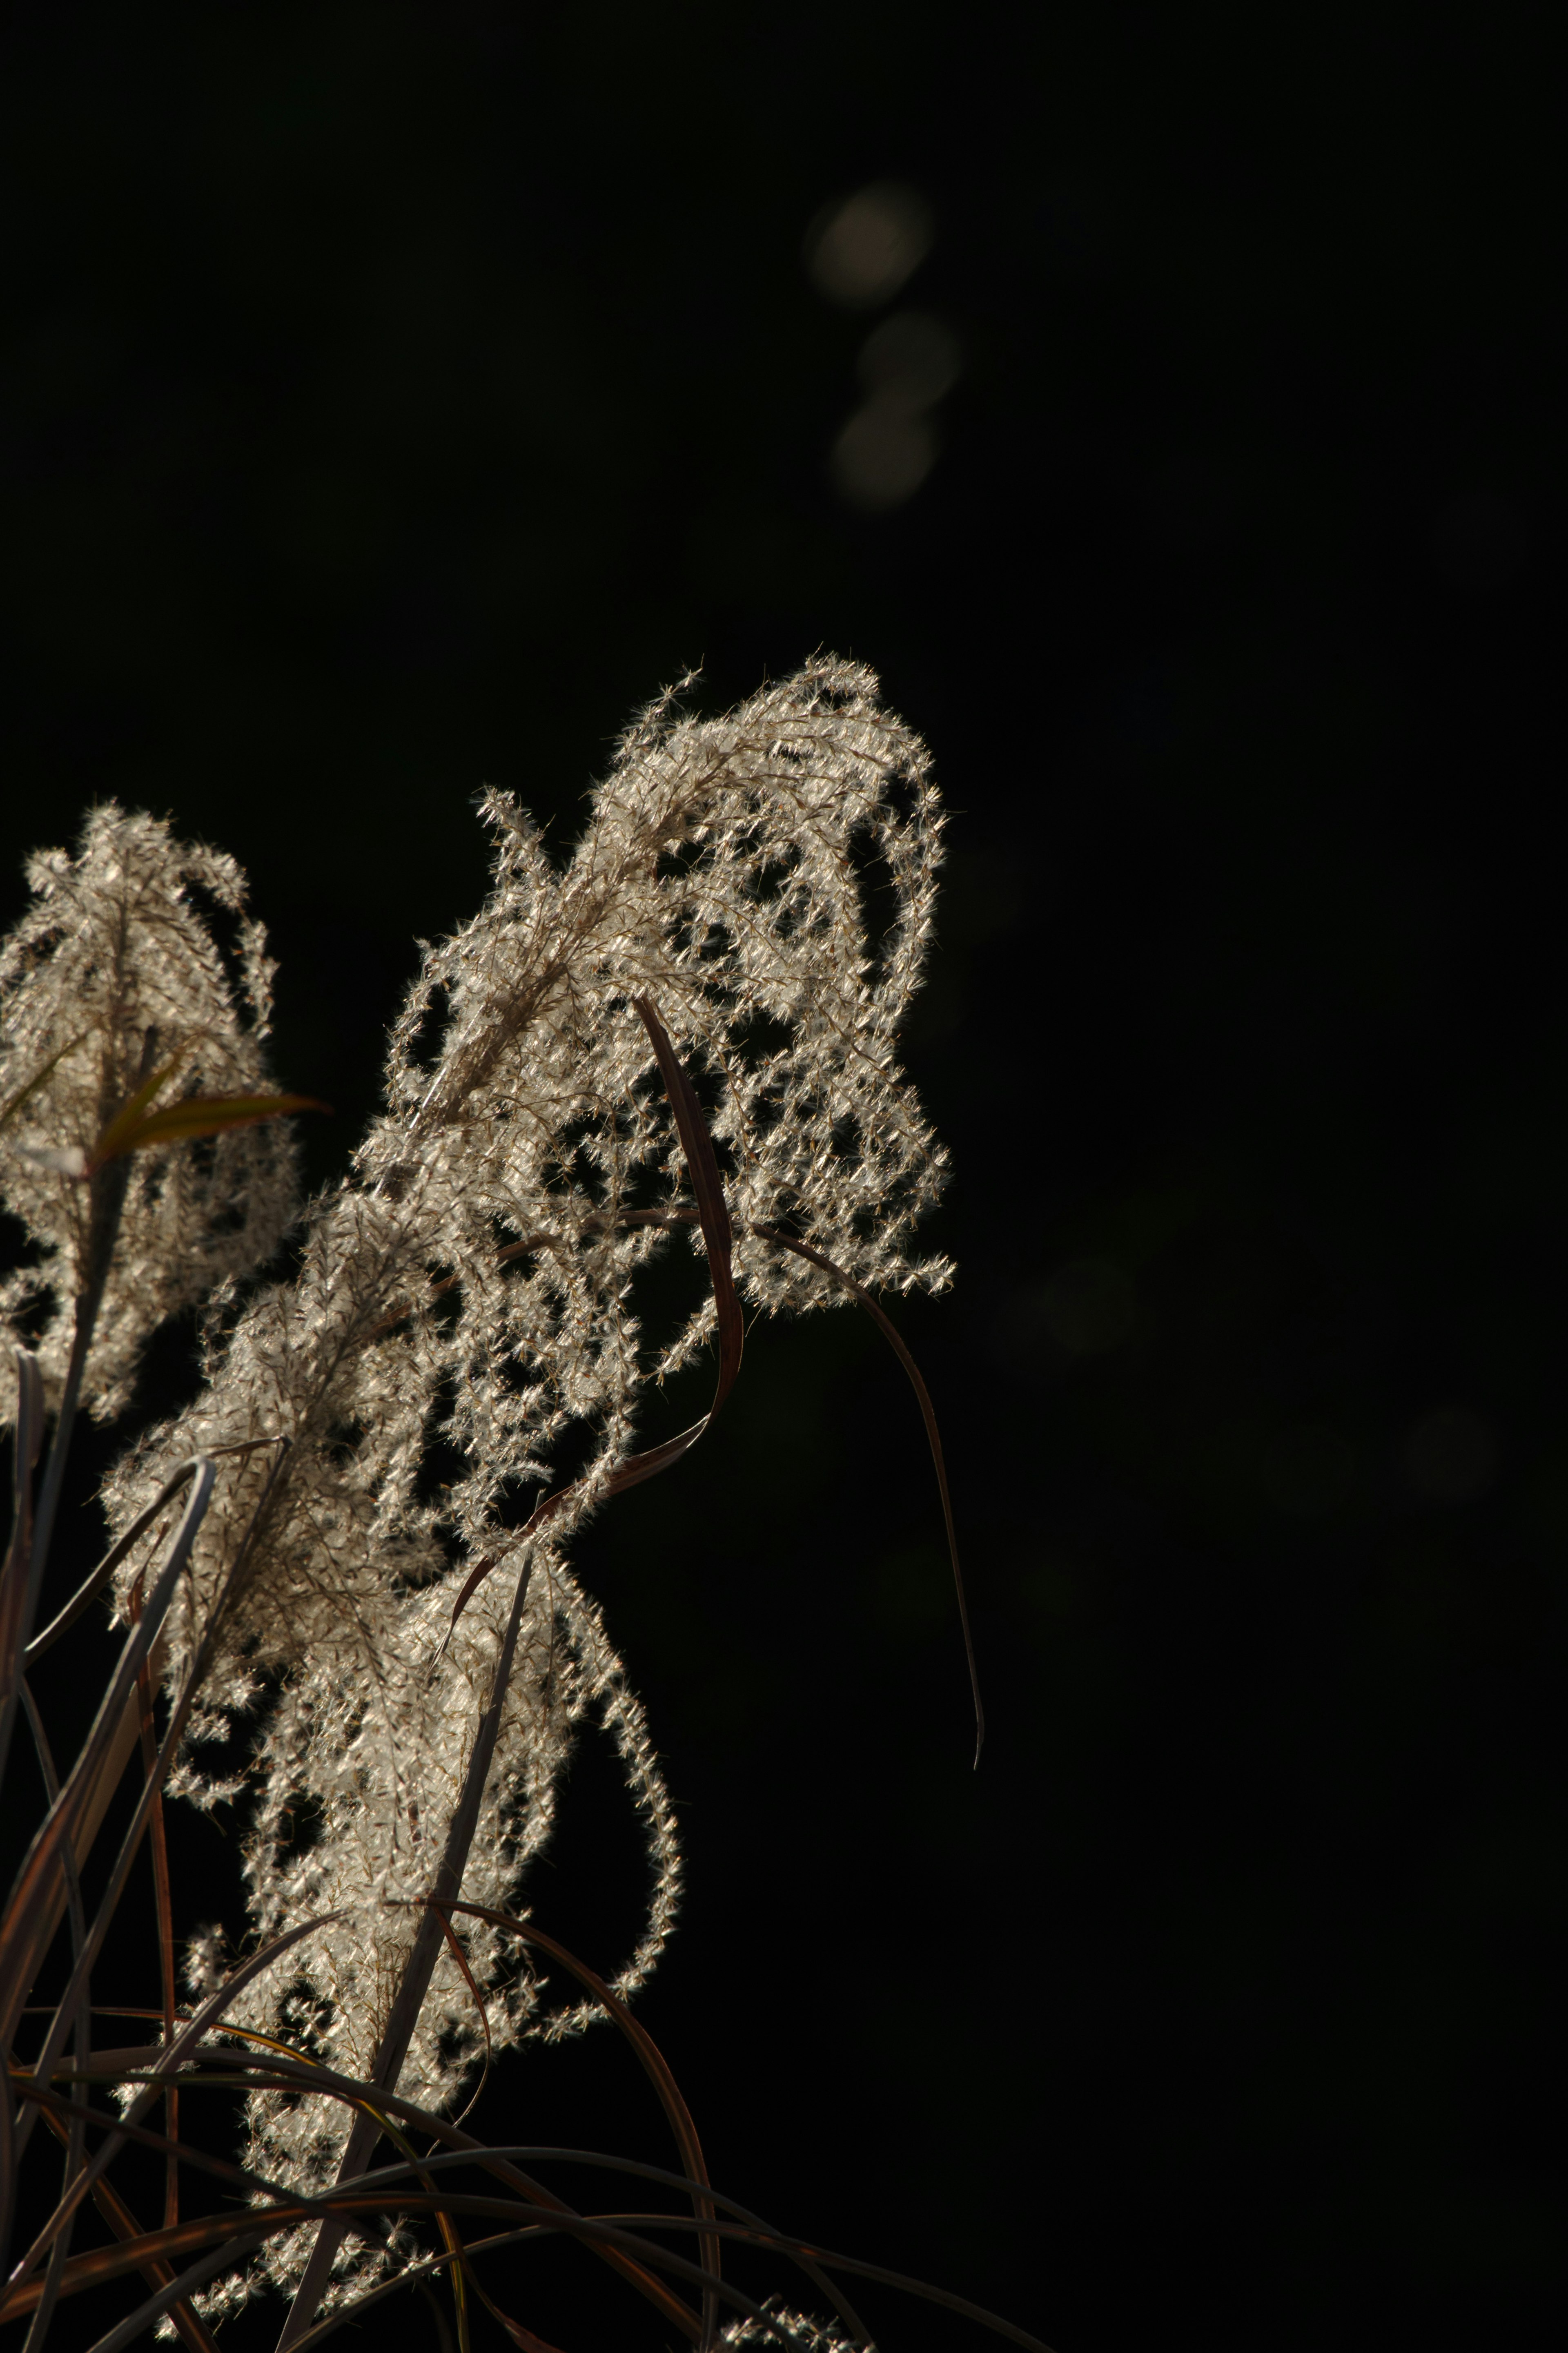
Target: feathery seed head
point(111, 969)
point(766, 881)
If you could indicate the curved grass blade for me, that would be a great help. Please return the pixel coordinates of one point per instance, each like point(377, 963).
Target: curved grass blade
point(193, 2332)
point(236, 2250)
point(104, 2264)
point(890, 1333)
point(180, 1715)
point(624, 2229)
point(94, 1583)
point(454, 1946)
point(169, 2058)
point(158, 1848)
point(524, 2337)
point(651, 2059)
point(250, 2185)
point(709, 1187)
point(501, 2158)
point(30, 1906)
point(72, 2128)
point(17, 1594)
point(238, 2070)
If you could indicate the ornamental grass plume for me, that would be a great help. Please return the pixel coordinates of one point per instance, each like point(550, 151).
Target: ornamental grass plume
point(684, 1038)
point(112, 972)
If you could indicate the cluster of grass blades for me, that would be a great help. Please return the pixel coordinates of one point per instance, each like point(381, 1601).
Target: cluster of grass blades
point(476, 2198)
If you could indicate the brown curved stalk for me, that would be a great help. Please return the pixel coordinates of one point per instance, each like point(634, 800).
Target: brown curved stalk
point(240, 2068)
point(652, 2059)
point(193, 2330)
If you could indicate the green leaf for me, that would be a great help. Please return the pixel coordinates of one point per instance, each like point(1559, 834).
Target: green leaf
point(133, 1130)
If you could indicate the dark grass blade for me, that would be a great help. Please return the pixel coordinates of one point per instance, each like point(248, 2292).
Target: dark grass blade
point(251, 2186)
point(702, 1166)
point(105, 2067)
point(455, 1947)
point(239, 2246)
point(890, 1333)
point(522, 2338)
point(94, 1583)
point(109, 2067)
point(625, 2229)
point(103, 2264)
point(30, 1907)
point(240, 2070)
point(222, 2068)
point(704, 2199)
point(96, 1791)
point(709, 1187)
point(530, 2343)
point(386, 2183)
point(158, 1848)
point(651, 2059)
point(193, 2330)
point(72, 2127)
point(16, 1576)
point(168, 2060)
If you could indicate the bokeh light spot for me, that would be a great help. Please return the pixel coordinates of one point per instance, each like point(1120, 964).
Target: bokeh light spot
point(860, 252)
point(882, 456)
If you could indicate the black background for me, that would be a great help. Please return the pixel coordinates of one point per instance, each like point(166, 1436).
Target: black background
point(394, 398)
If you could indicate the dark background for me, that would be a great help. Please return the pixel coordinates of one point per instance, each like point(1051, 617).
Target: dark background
point(393, 399)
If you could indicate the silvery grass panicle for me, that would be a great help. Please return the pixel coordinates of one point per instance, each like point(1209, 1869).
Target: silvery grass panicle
point(471, 1282)
point(111, 975)
point(684, 1038)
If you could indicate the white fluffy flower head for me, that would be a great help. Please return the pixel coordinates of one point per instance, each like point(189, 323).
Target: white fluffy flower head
point(764, 884)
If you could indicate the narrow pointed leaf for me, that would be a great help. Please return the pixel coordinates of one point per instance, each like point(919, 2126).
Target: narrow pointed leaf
point(195, 1116)
point(128, 1118)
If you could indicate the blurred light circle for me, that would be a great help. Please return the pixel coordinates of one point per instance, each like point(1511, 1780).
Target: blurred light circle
point(1308, 1469)
point(860, 252)
point(911, 359)
point(882, 456)
point(1450, 1456)
point(1088, 1306)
